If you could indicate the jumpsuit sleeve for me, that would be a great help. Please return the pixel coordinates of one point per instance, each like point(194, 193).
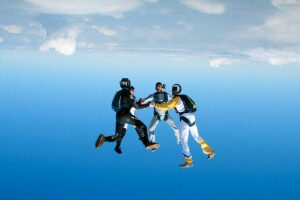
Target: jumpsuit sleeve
point(142, 106)
point(138, 105)
point(171, 104)
point(149, 98)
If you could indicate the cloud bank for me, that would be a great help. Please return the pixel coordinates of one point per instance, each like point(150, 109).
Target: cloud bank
point(205, 6)
point(280, 3)
point(114, 8)
point(275, 56)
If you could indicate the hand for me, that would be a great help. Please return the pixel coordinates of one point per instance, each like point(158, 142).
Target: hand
point(152, 104)
point(141, 100)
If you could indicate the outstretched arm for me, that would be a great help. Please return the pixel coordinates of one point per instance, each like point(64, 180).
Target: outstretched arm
point(142, 106)
point(171, 104)
point(148, 99)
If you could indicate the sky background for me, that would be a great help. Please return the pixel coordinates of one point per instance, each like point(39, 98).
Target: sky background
point(60, 64)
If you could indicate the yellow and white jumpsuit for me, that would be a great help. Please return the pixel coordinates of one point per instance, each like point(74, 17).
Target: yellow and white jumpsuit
point(187, 123)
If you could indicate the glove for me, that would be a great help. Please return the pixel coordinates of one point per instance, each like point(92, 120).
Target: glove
point(152, 104)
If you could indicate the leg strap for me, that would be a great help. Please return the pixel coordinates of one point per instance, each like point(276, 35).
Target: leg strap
point(186, 120)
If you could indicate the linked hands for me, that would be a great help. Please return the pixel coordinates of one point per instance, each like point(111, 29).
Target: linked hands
point(141, 100)
point(152, 104)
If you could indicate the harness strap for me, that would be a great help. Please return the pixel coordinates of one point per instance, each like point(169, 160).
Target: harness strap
point(186, 120)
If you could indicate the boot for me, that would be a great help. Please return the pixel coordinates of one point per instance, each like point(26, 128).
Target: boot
point(118, 149)
point(211, 155)
point(152, 146)
point(205, 147)
point(188, 162)
point(186, 165)
point(100, 140)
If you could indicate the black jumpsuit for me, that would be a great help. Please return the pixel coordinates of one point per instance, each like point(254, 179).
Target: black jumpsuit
point(124, 116)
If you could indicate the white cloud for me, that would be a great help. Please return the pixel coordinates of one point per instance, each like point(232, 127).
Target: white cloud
point(152, 1)
point(205, 6)
point(63, 42)
point(283, 27)
point(280, 3)
point(1, 39)
point(105, 31)
point(275, 56)
point(13, 29)
point(217, 62)
point(115, 8)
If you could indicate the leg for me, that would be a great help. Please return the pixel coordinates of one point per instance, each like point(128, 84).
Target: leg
point(118, 135)
point(184, 136)
point(118, 143)
point(171, 123)
point(141, 129)
point(205, 147)
point(154, 122)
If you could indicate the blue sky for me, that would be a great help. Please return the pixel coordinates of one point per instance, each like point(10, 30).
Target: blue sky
point(60, 64)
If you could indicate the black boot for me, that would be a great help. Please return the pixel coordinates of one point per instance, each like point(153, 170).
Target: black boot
point(118, 148)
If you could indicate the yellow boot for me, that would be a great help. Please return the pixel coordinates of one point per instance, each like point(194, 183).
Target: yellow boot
point(206, 149)
point(188, 162)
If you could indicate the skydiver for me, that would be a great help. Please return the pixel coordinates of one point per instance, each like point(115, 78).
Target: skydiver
point(160, 97)
point(185, 107)
point(122, 104)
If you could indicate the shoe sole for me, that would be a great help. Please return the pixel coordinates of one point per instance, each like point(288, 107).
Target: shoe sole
point(153, 146)
point(99, 141)
point(211, 156)
point(186, 166)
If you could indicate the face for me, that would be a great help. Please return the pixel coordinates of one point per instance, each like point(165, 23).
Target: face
point(158, 88)
point(132, 91)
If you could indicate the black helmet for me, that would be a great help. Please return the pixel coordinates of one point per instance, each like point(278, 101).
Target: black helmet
point(125, 82)
point(176, 88)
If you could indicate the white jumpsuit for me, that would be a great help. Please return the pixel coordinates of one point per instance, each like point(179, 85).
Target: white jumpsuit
point(185, 127)
point(161, 115)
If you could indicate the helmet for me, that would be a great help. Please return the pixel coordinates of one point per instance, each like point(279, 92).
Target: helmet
point(125, 82)
point(176, 88)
